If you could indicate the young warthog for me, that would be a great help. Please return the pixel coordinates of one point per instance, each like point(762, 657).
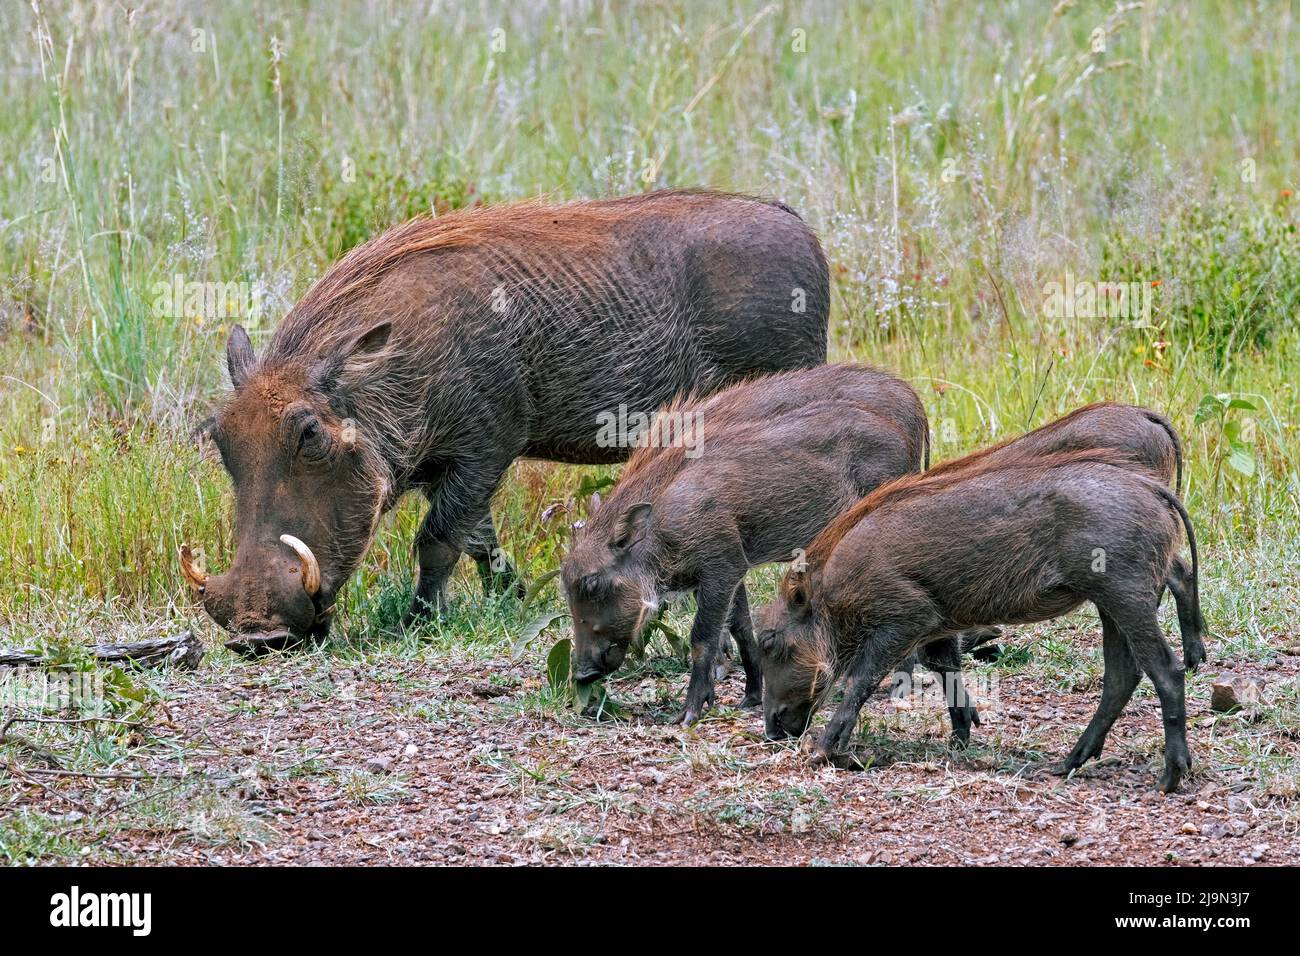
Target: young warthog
point(434, 355)
point(1143, 435)
point(781, 456)
point(1021, 541)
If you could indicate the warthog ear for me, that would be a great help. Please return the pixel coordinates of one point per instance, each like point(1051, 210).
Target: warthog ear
point(353, 357)
point(797, 594)
point(239, 356)
point(631, 526)
point(202, 437)
point(371, 340)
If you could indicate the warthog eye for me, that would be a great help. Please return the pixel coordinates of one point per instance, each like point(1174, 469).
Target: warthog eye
point(313, 444)
point(595, 587)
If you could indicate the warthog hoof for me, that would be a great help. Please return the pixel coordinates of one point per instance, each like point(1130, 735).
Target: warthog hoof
point(1175, 767)
point(694, 711)
point(839, 759)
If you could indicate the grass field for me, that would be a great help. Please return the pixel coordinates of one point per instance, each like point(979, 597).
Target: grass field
point(956, 159)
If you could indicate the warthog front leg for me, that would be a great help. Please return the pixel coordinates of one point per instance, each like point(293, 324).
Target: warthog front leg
point(436, 559)
point(944, 658)
point(874, 658)
point(741, 626)
point(713, 598)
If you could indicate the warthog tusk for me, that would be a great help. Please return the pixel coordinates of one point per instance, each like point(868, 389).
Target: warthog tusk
point(310, 569)
point(198, 579)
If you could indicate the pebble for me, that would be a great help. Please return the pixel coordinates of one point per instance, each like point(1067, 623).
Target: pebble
point(1233, 694)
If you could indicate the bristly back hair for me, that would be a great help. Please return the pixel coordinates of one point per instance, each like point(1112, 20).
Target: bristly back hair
point(945, 476)
point(533, 221)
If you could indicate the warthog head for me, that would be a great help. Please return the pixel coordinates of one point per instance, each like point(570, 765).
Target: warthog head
point(797, 672)
point(605, 577)
point(309, 491)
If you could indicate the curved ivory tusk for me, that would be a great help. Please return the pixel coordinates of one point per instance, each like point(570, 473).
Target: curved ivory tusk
point(310, 568)
point(198, 579)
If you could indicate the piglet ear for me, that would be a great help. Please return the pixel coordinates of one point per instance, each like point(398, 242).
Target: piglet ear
point(796, 592)
point(239, 356)
point(202, 437)
point(631, 526)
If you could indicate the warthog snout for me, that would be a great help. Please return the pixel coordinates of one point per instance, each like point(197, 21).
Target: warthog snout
point(595, 661)
point(271, 604)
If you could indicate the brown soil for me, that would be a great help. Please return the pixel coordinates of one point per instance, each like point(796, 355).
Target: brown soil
point(311, 760)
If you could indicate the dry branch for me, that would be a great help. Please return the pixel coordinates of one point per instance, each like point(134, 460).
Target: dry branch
point(185, 651)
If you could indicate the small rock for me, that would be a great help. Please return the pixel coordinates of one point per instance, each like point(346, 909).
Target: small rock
point(410, 750)
point(1237, 804)
point(380, 764)
point(1189, 827)
point(1233, 694)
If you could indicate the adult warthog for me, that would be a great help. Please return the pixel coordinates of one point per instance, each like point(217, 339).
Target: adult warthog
point(434, 355)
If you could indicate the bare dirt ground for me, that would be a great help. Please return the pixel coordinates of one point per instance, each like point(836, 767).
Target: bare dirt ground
point(464, 759)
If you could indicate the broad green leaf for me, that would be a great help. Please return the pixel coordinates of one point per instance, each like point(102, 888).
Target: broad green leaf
point(675, 640)
point(1240, 459)
point(590, 485)
point(582, 696)
point(606, 706)
point(535, 588)
point(557, 664)
point(534, 628)
point(1209, 407)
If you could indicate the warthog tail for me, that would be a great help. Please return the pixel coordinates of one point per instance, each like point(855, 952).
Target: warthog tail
point(1176, 503)
point(1167, 425)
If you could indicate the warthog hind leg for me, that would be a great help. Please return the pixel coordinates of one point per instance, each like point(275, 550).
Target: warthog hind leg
point(495, 569)
point(1119, 680)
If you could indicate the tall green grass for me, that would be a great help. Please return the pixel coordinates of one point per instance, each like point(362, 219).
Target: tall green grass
point(954, 157)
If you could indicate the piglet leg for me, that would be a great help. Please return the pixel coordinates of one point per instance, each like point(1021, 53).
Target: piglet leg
point(713, 598)
point(873, 659)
